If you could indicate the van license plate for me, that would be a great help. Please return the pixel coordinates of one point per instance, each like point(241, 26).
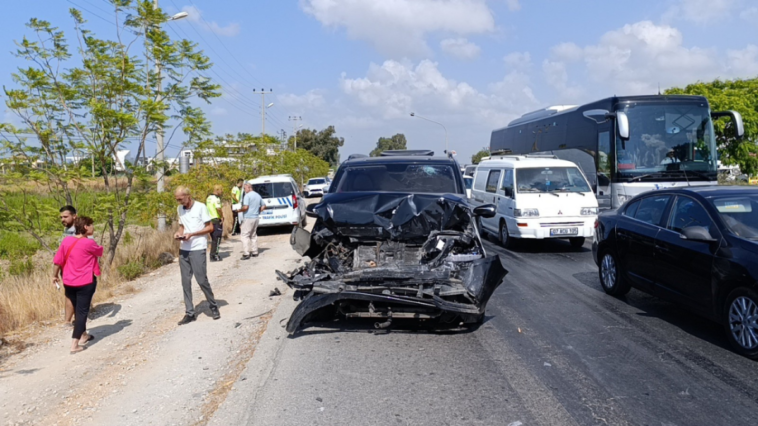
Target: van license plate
point(563, 231)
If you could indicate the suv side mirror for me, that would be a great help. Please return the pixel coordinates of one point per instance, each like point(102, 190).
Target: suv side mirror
point(697, 233)
point(486, 210)
point(310, 210)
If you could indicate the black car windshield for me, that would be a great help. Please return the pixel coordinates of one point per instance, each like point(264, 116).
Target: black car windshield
point(316, 182)
point(273, 189)
point(668, 139)
point(551, 179)
point(739, 214)
point(411, 178)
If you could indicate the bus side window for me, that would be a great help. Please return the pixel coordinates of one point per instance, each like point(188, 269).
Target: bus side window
point(605, 157)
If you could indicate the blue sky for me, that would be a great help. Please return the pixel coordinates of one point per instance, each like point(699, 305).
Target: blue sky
point(473, 65)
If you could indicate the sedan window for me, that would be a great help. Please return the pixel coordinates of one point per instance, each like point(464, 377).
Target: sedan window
point(651, 209)
point(686, 213)
point(631, 209)
point(740, 214)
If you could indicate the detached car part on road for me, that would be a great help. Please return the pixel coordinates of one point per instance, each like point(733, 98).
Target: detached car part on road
point(390, 254)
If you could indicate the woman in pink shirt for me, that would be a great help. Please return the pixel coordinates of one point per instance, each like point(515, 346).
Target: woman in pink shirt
point(77, 257)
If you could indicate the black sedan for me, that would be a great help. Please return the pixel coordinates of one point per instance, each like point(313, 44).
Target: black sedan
point(697, 246)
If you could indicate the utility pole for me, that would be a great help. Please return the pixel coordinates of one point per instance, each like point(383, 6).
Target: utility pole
point(263, 111)
point(159, 130)
point(295, 119)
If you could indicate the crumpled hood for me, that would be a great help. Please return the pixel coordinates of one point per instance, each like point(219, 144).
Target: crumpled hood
point(399, 217)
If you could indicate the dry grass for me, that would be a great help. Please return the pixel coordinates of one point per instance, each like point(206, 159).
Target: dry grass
point(32, 298)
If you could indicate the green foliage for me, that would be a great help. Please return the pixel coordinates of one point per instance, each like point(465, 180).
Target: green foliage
point(14, 245)
point(22, 266)
point(387, 144)
point(323, 144)
point(131, 270)
point(476, 158)
point(95, 102)
point(128, 237)
point(86, 167)
point(738, 95)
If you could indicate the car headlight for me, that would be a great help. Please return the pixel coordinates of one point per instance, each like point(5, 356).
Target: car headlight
point(589, 211)
point(526, 212)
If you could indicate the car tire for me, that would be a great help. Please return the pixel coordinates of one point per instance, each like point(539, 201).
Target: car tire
point(505, 240)
point(741, 321)
point(610, 276)
point(577, 242)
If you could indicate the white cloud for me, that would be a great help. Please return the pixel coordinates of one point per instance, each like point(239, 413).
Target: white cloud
point(519, 61)
point(700, 11)
point(398, 27)
point(513, 5)
point(638, 57)
point(460, 48)
point(311, 99)
point(743, 62)
point(394, 89)
point(196, 16)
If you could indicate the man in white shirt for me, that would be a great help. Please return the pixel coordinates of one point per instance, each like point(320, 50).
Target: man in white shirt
point(194, 225)
point(252, 206)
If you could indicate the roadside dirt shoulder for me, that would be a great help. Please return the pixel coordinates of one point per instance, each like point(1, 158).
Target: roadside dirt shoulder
point(142, 368)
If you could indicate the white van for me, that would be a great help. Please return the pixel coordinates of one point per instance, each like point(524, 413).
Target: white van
point(285, 204)
point(537, 197)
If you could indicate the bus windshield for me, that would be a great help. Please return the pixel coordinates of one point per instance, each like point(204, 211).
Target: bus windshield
point(668, 140)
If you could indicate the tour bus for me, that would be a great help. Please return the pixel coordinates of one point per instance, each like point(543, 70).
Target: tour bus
point(537, 197)
point(625, 145)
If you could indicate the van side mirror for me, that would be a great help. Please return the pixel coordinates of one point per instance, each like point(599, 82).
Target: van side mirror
point(486, 211)
point(508, 191)
point(739, 127)
point(310, 210)
point(697, 233)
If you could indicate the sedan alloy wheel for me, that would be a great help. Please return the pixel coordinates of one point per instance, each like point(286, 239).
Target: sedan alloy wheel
point(743, 322)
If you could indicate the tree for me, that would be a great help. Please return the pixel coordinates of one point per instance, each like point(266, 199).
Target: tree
point(323, 144)
point(388, 144)
point(476, 158)
point(738, 95)
point(100, 100)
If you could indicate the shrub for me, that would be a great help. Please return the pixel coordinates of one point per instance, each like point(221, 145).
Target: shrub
point(14, 245)
point(21, 266)
point(131, 270)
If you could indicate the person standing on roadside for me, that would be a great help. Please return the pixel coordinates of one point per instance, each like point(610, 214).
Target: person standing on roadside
point(194, 225)
point(252, 206)
point(68, 216)
point(77, 259)
point(213, 203)
point(236, 199)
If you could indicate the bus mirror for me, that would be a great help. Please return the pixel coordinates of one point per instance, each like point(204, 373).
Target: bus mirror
point(622, 123)
point(596, 115)
point(739, 127)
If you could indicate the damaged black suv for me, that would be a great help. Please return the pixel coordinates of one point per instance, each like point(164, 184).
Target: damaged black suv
point(394, 238)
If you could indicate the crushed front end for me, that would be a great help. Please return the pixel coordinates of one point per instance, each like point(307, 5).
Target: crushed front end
point(390, 256)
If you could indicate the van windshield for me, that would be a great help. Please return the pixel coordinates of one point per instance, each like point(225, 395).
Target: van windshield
point(273, 189)
point(551, 179)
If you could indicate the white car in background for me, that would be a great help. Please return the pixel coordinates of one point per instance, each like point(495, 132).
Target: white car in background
point(317, 186)
point(469, 182)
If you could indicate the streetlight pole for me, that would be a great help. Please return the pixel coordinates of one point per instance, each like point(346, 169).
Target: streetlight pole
point(295, 119)
point(263, 111)
point(413, 114)
point(159, 155)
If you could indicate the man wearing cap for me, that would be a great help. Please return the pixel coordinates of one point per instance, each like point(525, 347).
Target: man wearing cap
point(252, 206)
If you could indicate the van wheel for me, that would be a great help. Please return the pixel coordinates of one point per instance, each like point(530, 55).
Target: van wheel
point(741, 321)
point(505, 239)
point(577, 242)
point(610, 276)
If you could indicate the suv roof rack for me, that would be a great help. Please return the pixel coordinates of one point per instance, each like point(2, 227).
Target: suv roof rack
point(408, 152)
point(354, 156)
point(520, 157)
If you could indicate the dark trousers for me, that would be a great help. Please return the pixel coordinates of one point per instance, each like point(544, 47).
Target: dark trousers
point(218, 232)
point(194, 263)
point(81, 298)
point(236, 223)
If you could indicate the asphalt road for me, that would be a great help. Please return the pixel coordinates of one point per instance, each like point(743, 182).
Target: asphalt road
point(554, 350)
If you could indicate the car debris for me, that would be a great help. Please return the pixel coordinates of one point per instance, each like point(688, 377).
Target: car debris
point(390, 256)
